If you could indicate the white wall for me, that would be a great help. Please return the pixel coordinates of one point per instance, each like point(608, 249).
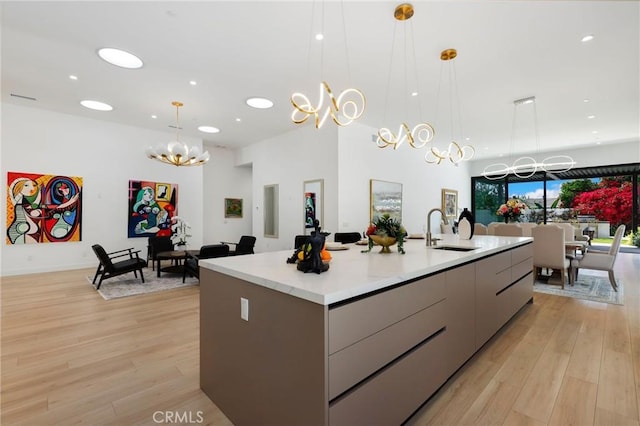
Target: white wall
point(346, 158)
point(223, 179)
point(361, 160)
point(305, 153)
point(106, 156)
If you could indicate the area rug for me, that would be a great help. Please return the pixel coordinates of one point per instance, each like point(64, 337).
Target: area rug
point(589, 286)
point(128, 285)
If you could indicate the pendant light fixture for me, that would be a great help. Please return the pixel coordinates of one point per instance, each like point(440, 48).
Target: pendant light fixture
point(455, 152)
point(344, 109)
point(422, 133)
point(524, 167)
point(178, 153)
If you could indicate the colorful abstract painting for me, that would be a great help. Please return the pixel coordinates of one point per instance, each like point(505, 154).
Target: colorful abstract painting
point(151, 207)
point(43, 208)
point(309, 209)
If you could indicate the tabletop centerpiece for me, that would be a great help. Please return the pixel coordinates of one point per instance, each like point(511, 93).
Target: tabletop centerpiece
point(512, 209)
point(179, 232)
point(386, 232)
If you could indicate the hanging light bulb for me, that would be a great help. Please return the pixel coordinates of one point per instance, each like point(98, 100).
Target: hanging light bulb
point(178, 153)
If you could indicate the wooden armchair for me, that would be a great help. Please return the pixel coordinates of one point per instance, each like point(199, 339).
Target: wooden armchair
point(108, 268)
point(244, 246)
point(191, 265)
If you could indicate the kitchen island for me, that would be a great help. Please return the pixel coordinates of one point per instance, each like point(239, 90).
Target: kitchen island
point(366, 342)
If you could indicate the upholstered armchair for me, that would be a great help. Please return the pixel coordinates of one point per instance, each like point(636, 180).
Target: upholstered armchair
point(602, 261)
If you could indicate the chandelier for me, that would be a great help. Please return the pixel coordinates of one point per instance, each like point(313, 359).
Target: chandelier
point(455, 152)
point(422, 133)
point(178, 153)
point(525, 166)
point(344, 109)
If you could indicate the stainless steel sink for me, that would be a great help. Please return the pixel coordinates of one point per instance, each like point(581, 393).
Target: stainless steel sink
point(455, 248)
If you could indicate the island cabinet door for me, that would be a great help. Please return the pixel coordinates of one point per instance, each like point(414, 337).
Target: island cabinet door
point(461, 315)
point(493, 276)
point(386, 353)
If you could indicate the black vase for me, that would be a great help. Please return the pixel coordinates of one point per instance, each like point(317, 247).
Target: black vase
point(463, 231)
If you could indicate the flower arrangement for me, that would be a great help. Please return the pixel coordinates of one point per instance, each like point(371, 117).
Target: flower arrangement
point(386, 226)
point(512, 209)
point(179, 231)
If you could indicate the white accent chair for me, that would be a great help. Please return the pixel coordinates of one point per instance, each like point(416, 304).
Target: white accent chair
point(549, 251)
point(480, 229)
point(602, 261)
point(508, 230)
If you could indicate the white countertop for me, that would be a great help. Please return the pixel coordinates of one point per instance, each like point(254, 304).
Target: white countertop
point(353, 273)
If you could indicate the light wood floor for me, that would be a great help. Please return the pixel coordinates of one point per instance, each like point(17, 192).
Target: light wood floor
point(69, 357)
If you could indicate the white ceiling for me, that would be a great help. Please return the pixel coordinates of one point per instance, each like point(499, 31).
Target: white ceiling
point(236, 49)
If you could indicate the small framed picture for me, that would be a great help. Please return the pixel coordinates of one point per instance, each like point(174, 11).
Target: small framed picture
point(233, 207)
point(450, 203)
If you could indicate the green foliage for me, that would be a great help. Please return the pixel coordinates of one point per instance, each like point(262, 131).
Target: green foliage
point(635, 238)
point(569, 190)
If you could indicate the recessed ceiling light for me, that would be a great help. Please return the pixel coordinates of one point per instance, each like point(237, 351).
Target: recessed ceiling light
point(259, 103)
point(120, 58)
point(154, 116)
point(193, 82)
point(73, 77)
point(591, 116)
point(595, 132)
point(586, 101)
point(467, 139)
point(209, 129)
point(96, 105)
point(238, 120)
point(319, 36)
point(414, 93)
point(588, 37)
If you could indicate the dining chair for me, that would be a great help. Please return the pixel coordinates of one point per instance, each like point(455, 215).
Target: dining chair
point(492, 227)
point(480, 229)
point(526, 228)
point(602, 261)
point(549, 252)
point(508, 230)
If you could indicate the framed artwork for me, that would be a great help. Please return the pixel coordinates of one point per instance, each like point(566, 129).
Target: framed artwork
point(43, 208)
point(450, 203)
point(151, 207)
point(313, 208)
point(233, 207)
point(385, 197)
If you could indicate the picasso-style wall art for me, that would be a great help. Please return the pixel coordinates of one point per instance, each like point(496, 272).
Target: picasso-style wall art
point(43, 208)
point(151, 207)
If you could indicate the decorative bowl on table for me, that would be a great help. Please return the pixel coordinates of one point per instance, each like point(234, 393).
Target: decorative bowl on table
point(384, 241)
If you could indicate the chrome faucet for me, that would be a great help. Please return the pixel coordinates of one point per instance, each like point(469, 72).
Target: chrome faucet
point(431, 241)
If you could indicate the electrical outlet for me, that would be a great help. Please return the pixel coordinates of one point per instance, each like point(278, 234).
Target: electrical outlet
point(244, 309)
